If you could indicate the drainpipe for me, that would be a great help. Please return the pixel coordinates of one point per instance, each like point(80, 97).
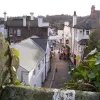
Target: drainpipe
point(45, 67)
point(8, 37)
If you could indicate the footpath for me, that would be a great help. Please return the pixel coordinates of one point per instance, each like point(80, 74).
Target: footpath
point(58, 77)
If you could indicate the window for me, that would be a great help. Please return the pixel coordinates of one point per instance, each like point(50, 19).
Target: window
point(34, 72)
point(18, 32)
point(87, 32)
point(14, 31)
point(10, 32)
point(79, 48)
point(42, 60)
point(39, 66)
point(67, 41)
point(82, 32)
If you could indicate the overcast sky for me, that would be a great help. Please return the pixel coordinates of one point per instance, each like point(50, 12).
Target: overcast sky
point(47, 7)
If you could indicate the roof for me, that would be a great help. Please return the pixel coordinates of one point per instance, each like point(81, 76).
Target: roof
point(19, 22)
point(41, 42)
point(83, 42)
point(30, 54)
point(90, 22)
point(79, 19)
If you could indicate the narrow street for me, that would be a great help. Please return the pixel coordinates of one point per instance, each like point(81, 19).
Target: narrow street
point(61, 75)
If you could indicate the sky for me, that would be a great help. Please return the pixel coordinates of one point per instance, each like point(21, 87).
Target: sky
point(47, 7)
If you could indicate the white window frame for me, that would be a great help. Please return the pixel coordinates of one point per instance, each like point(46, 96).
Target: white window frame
point(18, 32)
point(15, 31)
point(87, 31)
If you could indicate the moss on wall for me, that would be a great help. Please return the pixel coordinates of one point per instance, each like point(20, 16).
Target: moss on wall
point(29, 93)
point(26, 93)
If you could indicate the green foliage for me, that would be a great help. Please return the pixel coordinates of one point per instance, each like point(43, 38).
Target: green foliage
point(94, 40)
point(87, 75)
point(18, 83)
point(27, 85)
point(77, 58)
point(9, 62)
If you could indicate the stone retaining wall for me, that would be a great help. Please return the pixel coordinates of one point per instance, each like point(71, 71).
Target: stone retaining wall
point(29, 93)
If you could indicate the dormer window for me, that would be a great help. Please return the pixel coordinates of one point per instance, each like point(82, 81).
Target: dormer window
point(87, 32)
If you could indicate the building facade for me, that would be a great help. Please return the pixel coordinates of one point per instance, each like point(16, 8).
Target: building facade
point(78, 32)
point(34, 62)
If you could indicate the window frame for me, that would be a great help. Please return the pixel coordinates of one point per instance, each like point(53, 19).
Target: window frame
point(10, 32)
point(15, 31)
point(87, 31)
point(18, 32)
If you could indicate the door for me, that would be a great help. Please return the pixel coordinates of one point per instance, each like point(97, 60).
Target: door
point(25, 77)
point(42, 79)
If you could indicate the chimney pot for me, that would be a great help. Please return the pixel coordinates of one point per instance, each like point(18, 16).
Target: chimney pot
point(92, 10)
point(5, 17)
point(74, 13)
point(74, 18)
point(31, 16)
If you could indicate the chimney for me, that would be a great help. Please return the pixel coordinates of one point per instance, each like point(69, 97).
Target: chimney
point(92, 10)
point(31, 16)
point(5, 17)
point(40, 21)
point(74, 18)
point(24, 20)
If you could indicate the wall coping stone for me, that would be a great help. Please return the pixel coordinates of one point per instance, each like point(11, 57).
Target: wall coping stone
point(30, 93)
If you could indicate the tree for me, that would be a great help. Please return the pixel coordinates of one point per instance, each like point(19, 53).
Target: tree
point(94, 38)
point(87, 75)
point(92, 43)
point(9, 62)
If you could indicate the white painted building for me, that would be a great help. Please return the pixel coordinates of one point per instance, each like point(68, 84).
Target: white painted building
point(34, 62)
point(60, 37)
point(78, 33)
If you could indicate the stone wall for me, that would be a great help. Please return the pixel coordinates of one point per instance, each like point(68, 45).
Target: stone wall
point(29, 93)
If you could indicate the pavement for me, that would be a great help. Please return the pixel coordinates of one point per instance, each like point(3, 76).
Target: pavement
point(61, 76)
